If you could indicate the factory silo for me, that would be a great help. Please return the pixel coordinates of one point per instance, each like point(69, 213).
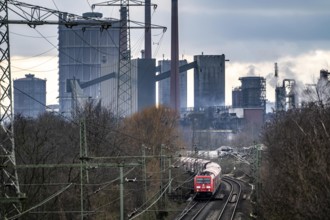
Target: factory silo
point(253, 91)
point(209, 81)
point(29, 96)
point(82, 52)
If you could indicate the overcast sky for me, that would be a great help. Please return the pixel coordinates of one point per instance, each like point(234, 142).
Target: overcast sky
point(253, 34)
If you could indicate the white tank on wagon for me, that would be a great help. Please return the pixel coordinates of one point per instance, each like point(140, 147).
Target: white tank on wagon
point(193, 165)
point(212, 168)
point(196, 166)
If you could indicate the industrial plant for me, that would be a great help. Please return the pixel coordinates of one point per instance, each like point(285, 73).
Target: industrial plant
point(95, 64)
point(117, 112)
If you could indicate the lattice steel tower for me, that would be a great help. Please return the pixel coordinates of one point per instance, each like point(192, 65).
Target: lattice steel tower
point(32, 15)
point(124, 77)
point(9, 185)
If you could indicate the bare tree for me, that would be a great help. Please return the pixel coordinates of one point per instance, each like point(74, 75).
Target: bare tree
point(296, 173)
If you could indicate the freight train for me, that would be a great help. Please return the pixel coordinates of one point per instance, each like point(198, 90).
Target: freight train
point(207, 175)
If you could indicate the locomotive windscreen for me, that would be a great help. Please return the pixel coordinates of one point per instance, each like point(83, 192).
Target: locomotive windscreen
point(203, 180)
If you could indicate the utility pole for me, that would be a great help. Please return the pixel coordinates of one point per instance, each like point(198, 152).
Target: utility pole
point(121, 169)
point(84, 164)
point(161, 173)
point(257, 176)
point(144, 164)
point(170, 173)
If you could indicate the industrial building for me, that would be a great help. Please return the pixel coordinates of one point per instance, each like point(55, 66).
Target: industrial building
point(82, 51)
point(249, 100)
point(164, 85)
point(285, 95)
point(143, 84)
point(209, 81)
point(29, 96)
point(251, 93)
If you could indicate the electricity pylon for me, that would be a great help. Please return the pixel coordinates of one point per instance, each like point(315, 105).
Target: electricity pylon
point(124, 105)
point(32, 15)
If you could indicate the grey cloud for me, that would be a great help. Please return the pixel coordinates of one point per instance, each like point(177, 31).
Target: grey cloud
point(260, 5)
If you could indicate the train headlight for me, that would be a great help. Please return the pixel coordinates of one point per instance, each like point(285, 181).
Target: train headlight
point(198, 187)
point(208, 187)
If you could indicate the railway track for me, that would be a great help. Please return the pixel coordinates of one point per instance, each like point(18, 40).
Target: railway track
point(193, 209)
point(229, 209)
point(223, 206)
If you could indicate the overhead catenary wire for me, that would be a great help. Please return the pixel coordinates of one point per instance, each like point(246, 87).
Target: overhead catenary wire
point(108, 183)
point(30, 70)
point(160, 196)
point(107, 204)
point(41, 203)
point(40, 64)
point(158, 45)
point(34, 56)
point(30, 36)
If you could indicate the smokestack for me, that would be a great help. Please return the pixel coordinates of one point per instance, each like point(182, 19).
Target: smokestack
point(276, 70)
point(147, 30)
point(175, 92)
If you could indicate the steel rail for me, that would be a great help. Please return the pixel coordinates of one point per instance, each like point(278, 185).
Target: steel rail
point(238, 195)
point(201, 209)
point(230, 195)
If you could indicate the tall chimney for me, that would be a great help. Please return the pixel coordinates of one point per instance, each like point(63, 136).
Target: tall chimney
point(175, 84)
point(276, 70)
point(147, 30)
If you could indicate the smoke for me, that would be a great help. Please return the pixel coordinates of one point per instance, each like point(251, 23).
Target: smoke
point(288, 71)
point(251, 71)
point(271, 80)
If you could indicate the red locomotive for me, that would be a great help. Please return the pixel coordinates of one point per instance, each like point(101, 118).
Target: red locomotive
point(208, 175)
point(208, 180)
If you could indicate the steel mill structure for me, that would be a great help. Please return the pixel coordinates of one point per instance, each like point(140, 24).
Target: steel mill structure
point(29, 96)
